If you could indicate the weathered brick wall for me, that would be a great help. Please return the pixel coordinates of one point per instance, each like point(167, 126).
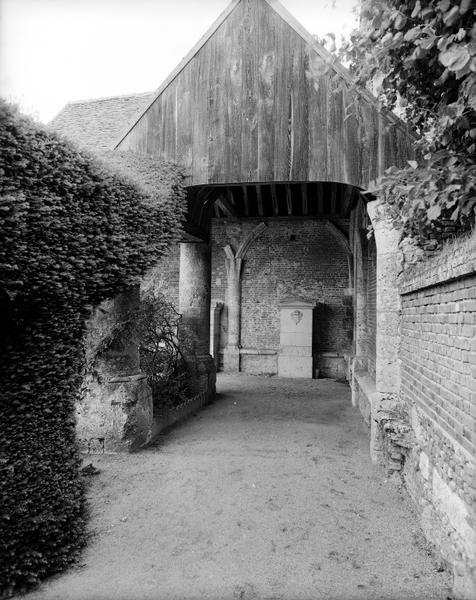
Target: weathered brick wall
point(290, 258)
point(438, 361)
point(371, 279)
point(294, 257)
point(438, 345)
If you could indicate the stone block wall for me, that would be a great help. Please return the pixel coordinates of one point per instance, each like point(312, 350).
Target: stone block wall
point(163, 278)
point(292, 257)
point(114, 412)
point(438, 362)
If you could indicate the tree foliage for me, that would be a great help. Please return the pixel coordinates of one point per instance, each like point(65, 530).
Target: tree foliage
point(73, 233)
point(420, 56)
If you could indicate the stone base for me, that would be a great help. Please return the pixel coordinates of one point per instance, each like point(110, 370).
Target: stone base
point(331, 365)
point(299, 367)
point(207, 375)
point(116, 416)
point(255, 362)
point(440, 476)
point(231, 360)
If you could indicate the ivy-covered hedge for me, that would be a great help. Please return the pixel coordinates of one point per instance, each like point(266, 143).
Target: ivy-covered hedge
point(72, 234)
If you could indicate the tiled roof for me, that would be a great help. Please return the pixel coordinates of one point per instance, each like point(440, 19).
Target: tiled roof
point(96, 125)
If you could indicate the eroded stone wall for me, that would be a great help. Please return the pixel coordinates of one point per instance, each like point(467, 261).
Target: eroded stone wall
point(438, 362)
point(371, 281)
point(163, 278)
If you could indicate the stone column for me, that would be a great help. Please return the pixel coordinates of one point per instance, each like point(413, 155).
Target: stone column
point(194, 306)
point(215, 331)
point(116, 413)
point(359, 363)
point(387, 238)
point(388, 377)
point(234, 264)
point(231, 358)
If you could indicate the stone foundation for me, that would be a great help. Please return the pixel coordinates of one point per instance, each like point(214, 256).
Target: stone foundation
point(256, 362)
point(441, 478)
point(331, 365)
point(115, 416)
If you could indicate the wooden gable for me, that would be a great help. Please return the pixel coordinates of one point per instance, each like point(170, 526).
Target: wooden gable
point(258, 100)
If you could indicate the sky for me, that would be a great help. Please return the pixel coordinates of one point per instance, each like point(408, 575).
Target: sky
point(56, 51)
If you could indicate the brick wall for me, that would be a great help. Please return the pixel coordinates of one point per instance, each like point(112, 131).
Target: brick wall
point(438, 349)
point(290, 258)
point(438, 362)
point(371, 279)
point(438, 352)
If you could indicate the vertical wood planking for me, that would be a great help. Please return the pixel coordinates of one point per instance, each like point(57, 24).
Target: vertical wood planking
point(267, 69)
point(202, 94)
point(317, 118)
point(299, 91)
point(335, 131)
point(218, 113)
point(256, 104)
point(249, 92)
point(352, 150)
point(281, 103)
point(170, 120)
point(184, 126)
point(233, 86)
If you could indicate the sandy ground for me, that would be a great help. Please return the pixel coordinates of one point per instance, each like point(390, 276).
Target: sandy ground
point(268, 493)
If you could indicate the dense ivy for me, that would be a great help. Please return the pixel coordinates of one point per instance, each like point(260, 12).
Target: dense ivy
point(73, 233)
point(420, 56)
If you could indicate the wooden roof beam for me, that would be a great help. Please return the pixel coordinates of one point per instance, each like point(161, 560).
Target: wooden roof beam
point(347, 203)
point(202, 205)
point(289, 200)
point(333, 198)
point(259, 197)
point(274, 200)
point(320, 198)
point(226, 206)
point(245, 200)
point(304, 198)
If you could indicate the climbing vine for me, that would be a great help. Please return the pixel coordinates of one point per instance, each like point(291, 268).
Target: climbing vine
point(170, 364)
point(420, 58)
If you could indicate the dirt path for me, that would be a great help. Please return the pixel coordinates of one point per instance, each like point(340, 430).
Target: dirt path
point(267, 494)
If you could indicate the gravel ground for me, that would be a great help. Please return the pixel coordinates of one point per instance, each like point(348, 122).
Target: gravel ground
point(266, 494)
